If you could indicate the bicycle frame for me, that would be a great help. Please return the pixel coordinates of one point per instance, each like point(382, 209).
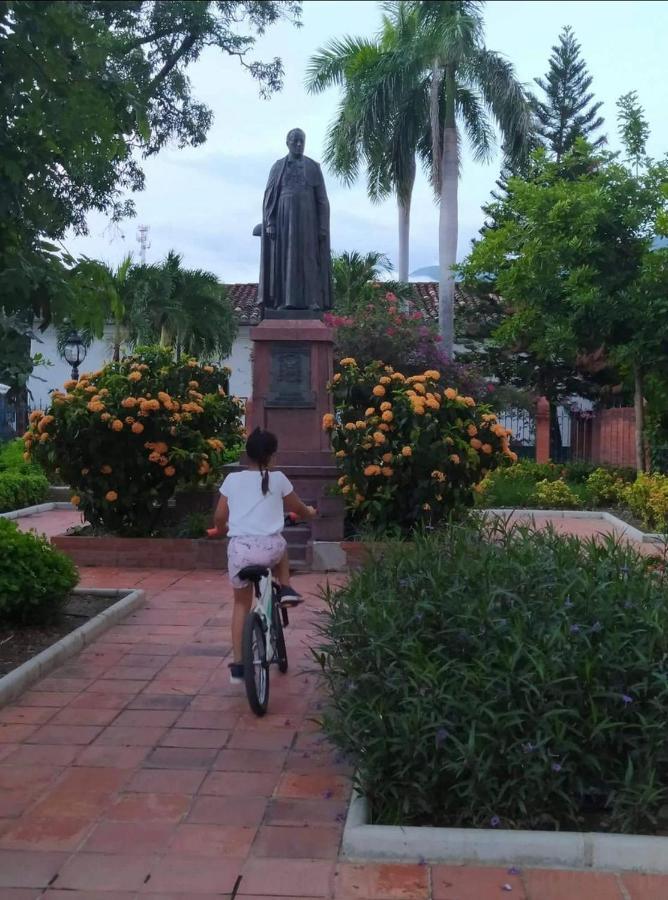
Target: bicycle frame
point(263, 607)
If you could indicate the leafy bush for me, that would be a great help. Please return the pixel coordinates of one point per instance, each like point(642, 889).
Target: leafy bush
point(18, 491)
point(126, 437)
point(35, 578)
point(495, 675)
point(409, 449)
point(647, 498)
point(12, 459)
point(382, 332)
point(604, 488)
point(555, 495)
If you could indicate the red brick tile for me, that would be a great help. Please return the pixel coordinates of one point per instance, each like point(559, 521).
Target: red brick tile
point(196, 738)
point(142, 718)
point(382, 881)
point(166, 781)
point(193, 875)
point(120, 757)
point(226, 841)
point(69, 685)
point(181, 758)
point(312, 785)
point(549, 884)
point(94, 778)
point(15, 802)
point(114, 687)
point(74, 804)
point(310, 842)
point(42, 754)
point(159, 701)
point(238, 811)
point(7, 750)
point(96, 699)
point(240, 784)
point(47, 699)
point(140, 838)
point(305, 812)
point(25, 715)
point(89, 895)
point(646, 887)
point(28, 868)
point(73, 716)
point(27, 894)
point(27, 778)
point(250, 760)
point(208, 719)
point(89, 871)
point(149, 808)
point(474, 883)
point(129, 736)
point(289, 877)
point(14, 734)
point(55, 833)
point(261, 740)
point(65, 734)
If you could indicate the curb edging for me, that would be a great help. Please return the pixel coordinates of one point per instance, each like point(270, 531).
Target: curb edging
point(641, 537)
point(18, 680)
point(28, 511)
point(590, 851)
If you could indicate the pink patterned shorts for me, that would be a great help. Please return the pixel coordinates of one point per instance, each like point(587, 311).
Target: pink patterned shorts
point(253, 551)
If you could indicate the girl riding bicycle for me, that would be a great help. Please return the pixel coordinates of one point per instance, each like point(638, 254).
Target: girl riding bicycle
point(251, 510)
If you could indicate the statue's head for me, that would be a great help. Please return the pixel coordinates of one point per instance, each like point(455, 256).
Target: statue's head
point(295, 141)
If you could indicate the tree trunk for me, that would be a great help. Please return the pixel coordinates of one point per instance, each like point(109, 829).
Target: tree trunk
point(435, 121)
point(404, 198)
point(164, 336)
point(638, 404)
point(448, 220)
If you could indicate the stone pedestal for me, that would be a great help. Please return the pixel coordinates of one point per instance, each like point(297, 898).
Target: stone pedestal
point(292, 363)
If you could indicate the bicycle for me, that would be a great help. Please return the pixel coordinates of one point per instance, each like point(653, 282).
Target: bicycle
point(263, 628)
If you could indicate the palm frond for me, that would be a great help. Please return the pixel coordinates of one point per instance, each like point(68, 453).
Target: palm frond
point(330, 66)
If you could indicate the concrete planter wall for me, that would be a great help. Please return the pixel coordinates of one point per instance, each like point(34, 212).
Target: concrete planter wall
point(143, 553)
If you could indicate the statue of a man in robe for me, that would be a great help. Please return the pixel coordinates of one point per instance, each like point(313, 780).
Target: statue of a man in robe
point(295, 265)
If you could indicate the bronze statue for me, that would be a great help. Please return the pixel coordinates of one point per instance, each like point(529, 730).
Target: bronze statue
point(295, 265)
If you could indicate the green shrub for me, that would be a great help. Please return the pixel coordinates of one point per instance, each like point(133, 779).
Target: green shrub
point(496, 675)
point(12, 459)
point(18, 490)
point(647, 498)
point(555, 495)
point(35, 578)
point(604, 488)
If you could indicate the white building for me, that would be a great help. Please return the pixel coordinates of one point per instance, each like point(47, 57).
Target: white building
point(53, 375)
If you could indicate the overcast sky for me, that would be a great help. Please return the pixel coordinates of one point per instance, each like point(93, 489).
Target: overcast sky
point(204, 202)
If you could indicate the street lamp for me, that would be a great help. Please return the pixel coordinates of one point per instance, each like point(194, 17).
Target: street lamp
point(74, 352)
point(6, 433)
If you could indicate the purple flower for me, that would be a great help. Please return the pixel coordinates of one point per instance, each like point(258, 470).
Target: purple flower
point(596, 627)
point(575, 629)
point(495, 821)
point(626, 699)
point(556, 767)
point(441, 736)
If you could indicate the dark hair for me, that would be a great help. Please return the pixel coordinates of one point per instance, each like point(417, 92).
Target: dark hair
point(260, 447)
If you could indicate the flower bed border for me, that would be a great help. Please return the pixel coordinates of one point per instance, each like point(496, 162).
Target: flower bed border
point(549, 849)
point(14, 683)
point(144, 553)
point(642, 537)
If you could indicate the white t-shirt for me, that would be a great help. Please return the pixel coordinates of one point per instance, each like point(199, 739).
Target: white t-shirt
point(253, 513)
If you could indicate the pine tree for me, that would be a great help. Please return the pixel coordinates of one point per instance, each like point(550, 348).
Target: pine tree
point(567, 112)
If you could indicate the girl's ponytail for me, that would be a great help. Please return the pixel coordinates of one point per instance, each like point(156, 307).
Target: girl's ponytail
point(260, 447)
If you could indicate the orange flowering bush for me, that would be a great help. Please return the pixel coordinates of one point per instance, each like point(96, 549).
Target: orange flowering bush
point(409, 449)
point(127, 437)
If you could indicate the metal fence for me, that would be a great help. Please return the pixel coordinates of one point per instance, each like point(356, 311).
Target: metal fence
point(522, 424)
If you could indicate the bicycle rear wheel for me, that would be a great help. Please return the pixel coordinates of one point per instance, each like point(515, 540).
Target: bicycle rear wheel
point(279, 639)
point(256, 667)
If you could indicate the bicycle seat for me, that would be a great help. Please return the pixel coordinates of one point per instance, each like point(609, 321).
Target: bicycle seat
point(253, 573)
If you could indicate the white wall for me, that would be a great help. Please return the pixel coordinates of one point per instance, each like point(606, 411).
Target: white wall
point(48, 378)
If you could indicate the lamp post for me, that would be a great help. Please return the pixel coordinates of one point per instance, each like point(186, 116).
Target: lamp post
point(6, 433)
point(74, 352)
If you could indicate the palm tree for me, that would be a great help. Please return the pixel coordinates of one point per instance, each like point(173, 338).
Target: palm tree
point(382, 117)
point(473, 87)
point(354, 276)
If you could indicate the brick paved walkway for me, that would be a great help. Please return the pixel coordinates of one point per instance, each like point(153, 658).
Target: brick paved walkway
point(137, 771)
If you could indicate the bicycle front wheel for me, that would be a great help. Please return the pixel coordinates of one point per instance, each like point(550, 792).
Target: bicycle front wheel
point(256, 667)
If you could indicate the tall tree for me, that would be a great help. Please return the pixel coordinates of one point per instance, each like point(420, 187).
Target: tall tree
point(472, 87)
point(85, 90)
point(568, 111)
point(381, 122)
